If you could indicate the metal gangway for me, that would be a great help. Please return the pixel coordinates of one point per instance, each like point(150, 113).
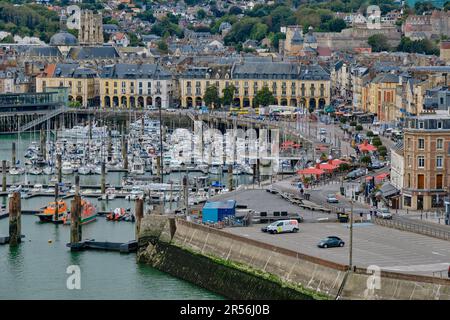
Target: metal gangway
point(44, 118)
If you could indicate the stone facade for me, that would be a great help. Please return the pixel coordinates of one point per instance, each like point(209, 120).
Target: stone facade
point(426, 177)
point(291, 84)
point(91, 29)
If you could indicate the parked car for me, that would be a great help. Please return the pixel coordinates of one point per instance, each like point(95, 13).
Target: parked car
point(331, 198)
point(355, 174)
point(331, 241)
point(376, 165)
point(281, 226)
point(384, 213)
point(322, 131)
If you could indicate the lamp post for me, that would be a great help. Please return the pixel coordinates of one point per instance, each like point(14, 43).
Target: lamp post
point(350, 257)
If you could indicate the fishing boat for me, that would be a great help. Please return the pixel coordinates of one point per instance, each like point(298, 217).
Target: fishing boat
point(49, 213)
point(88, 213)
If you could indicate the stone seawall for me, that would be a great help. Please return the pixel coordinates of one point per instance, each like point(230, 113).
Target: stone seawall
point(241, 268)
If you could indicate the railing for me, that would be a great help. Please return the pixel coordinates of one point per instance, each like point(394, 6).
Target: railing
point(46, 117)
point(414, 227)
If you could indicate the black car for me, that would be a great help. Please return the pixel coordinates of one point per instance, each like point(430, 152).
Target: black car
point(331, 241)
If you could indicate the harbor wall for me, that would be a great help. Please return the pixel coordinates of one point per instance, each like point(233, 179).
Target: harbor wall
point(242, 268)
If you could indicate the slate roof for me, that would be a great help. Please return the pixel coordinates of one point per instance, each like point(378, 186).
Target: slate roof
point(100, 52)
point(135, 71)
point(385, 77)
point(36, 51)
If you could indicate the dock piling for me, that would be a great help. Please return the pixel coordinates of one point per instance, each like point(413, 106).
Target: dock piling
point(103, 182)
point(139, 212)
point(59, 166)
point(77, 185)
point(230, 177)
point(125, 152)
point(15, 224)
point(3, 175)
point(75, 220)
point(13, 155)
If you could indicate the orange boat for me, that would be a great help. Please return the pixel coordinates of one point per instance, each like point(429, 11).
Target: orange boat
point(48, 215)
point(88, 213)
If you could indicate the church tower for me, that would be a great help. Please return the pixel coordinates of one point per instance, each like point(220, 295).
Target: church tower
point(91, 28)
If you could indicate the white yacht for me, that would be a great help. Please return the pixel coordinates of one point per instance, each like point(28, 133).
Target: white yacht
point(84, 170)
point(16, 171)
point(48, 170)
point(137, 166)
point(35, 171)
point(66, 168)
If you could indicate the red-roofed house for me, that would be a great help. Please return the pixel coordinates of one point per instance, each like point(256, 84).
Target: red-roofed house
point(120, 39)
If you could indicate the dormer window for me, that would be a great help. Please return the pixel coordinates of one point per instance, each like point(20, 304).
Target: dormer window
point(421, 126)
point(227, 76)
point(439, 125)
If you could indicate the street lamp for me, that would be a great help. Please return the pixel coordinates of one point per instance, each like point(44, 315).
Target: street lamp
point(350, 258)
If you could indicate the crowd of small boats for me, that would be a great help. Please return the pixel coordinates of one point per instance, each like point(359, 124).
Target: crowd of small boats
point(84, 148)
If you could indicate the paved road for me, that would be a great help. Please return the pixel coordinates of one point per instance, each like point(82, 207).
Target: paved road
point(261, 200)
point(387, 248)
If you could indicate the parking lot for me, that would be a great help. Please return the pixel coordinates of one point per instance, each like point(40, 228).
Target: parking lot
point(389, 249)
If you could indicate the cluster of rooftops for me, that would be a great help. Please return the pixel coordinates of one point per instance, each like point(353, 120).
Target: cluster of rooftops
point(246, 70)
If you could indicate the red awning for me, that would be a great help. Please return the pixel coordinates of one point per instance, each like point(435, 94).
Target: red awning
point(366, 147)
point(327, 167)
point(311, 170)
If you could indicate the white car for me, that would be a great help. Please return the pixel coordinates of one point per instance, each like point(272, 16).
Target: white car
point(281, 226)
point(323, 131)
point(384, 213)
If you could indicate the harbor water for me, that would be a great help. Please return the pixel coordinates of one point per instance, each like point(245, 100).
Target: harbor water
point(37, 268)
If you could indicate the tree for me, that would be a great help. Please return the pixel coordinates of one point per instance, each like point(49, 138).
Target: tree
point(228, 95)
point(422, 7)
point(201, 14)
point(8, 39)
point(358, 127)
point(162, 46)
point(211, 96)
point(378, 42)
point(259, 31)
point(424, 46)
point(376, 141)
point(366, 160)
point(235, 10)
point(264, 97)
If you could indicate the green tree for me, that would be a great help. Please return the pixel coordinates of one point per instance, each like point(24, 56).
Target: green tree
point(378, 42)
point(201, 14)
point(162, 46)
point(264, 97)
point(211, 96)
point(259, 31)
point(228, 95)
point(8, 39)
point(366, 160)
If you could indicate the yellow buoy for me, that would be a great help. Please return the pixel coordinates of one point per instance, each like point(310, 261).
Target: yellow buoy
point(50, 241)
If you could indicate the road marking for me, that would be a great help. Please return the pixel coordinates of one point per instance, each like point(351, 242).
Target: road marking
point(439, 254)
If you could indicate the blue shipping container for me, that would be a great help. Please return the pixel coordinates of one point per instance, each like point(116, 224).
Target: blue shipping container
point(215, 211)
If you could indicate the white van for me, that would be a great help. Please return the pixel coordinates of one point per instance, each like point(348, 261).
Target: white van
point(282, 226)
